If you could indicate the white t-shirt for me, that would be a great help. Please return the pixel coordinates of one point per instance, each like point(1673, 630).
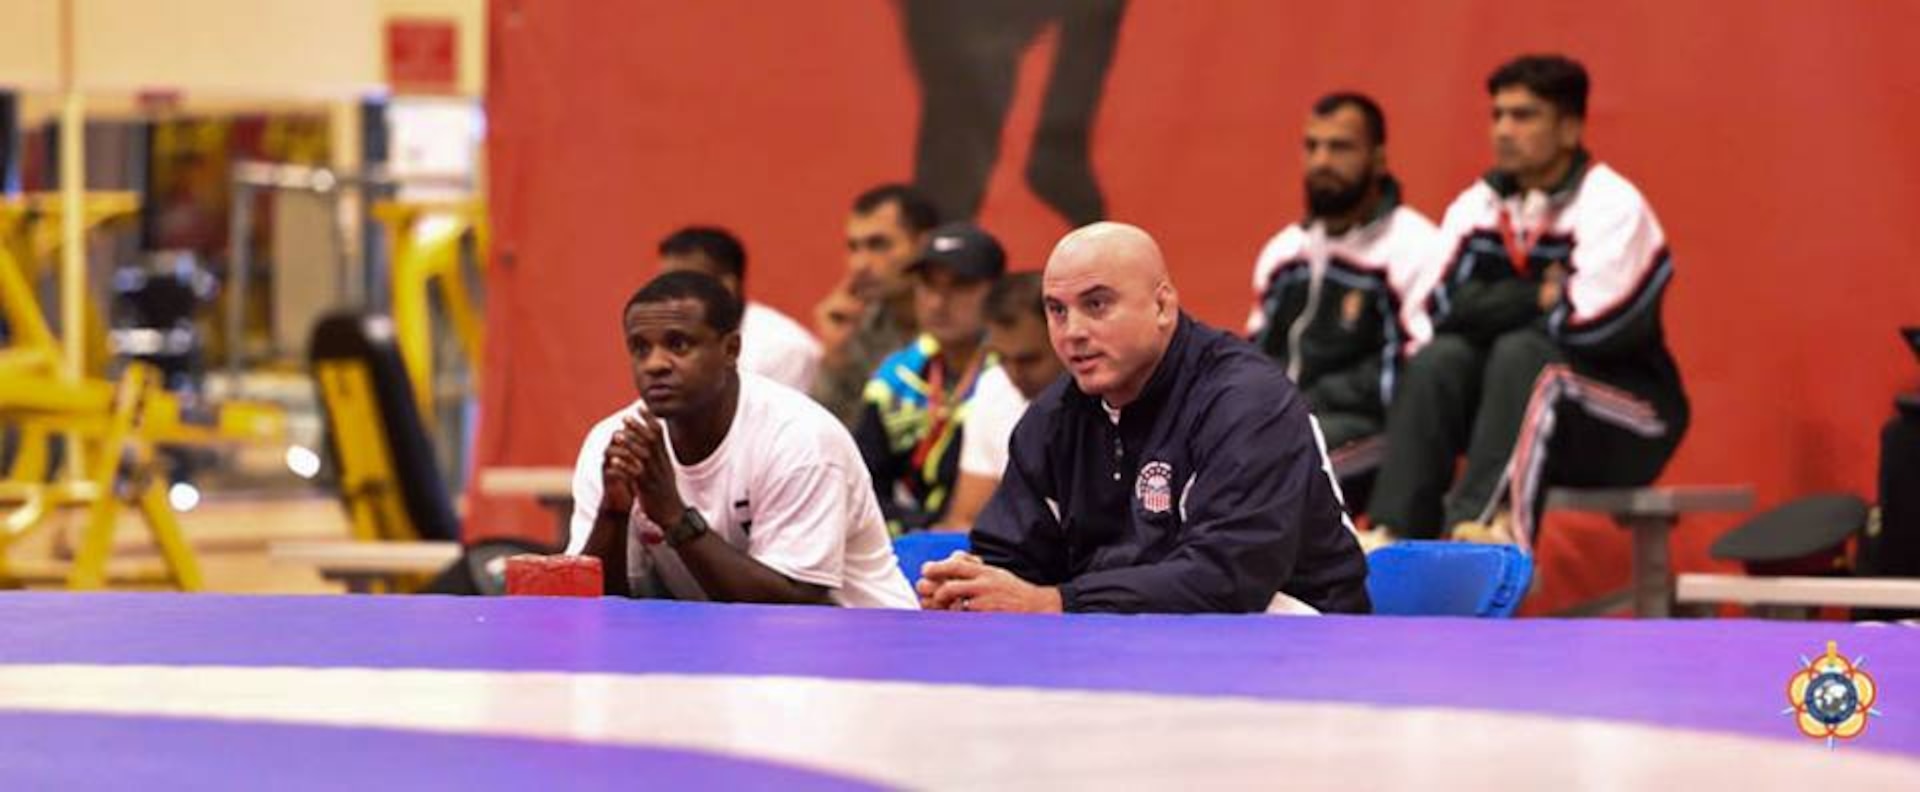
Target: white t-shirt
point(786, 485)
point(778, 348)
point(997, 405)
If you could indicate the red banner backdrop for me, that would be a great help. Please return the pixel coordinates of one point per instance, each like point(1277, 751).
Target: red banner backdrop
point(1775, 141)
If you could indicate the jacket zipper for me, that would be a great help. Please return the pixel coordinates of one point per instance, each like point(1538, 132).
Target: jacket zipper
point(1316, 278)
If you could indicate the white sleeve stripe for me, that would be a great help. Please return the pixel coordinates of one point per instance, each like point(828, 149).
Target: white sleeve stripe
point(1184, 492)
point(1326, 468)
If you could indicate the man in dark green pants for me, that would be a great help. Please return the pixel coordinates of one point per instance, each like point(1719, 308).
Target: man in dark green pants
point(1547, 362)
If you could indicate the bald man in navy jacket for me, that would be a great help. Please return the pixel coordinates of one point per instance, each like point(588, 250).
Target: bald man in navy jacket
point(1176, 469)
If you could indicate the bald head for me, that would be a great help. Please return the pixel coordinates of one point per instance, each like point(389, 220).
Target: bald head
point(1123, 251)
point(1111, 308)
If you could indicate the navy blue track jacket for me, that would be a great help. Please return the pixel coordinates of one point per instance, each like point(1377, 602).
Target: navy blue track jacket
point(1210, 495)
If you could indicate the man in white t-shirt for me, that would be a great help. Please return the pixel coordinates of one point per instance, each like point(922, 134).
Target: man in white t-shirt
point(1017, 333)
point(771, 344)
point(721, 484)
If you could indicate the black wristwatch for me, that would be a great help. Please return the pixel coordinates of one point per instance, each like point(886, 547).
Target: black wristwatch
point(689, 527)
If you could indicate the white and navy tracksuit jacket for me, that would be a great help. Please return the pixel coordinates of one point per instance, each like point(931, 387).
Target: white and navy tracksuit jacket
point(1331, 308)
point(1598, 228)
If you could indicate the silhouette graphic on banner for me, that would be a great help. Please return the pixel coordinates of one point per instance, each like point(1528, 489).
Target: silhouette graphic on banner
point(966, 57)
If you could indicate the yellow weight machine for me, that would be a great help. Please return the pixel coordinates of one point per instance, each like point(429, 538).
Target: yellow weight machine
point(119, 424)
point(425, 242)
point(381, 454)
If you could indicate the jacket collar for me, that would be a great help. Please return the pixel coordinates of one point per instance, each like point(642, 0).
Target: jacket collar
point(1506, 186)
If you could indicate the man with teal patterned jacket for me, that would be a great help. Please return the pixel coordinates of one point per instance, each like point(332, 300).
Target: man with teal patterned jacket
point(917, 401)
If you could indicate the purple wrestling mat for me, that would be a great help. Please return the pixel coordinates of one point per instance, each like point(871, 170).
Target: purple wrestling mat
point(1725, 677)
point(165, 753)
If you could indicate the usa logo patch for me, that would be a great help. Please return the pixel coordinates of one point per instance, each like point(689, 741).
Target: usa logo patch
point(1154, 488)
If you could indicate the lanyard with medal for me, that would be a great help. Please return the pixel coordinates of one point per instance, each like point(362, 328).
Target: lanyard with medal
point(1520, 249)
point(938, 411)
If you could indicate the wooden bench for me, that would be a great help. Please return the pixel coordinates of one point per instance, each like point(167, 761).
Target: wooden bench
point(1650, 513)
point(1789, 594)
point(551, 487)
point(367, 566)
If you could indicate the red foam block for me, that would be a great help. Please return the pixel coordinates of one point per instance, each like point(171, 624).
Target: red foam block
point(553, 576)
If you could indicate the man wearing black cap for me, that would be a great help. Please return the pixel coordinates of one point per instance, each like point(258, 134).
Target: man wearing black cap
point(916, 403)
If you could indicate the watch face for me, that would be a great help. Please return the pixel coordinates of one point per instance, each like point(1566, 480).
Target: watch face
point(689, 528)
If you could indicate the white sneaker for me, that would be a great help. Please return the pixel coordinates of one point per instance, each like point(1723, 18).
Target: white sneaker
point(1499, 531)
point(1374, 538)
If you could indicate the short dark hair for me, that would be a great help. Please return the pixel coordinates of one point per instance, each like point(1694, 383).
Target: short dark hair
point(718, 244)
point(917, 213)
point(1013, 296)
point(1376, 121)
point(1558, 79)
point(721, 307)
